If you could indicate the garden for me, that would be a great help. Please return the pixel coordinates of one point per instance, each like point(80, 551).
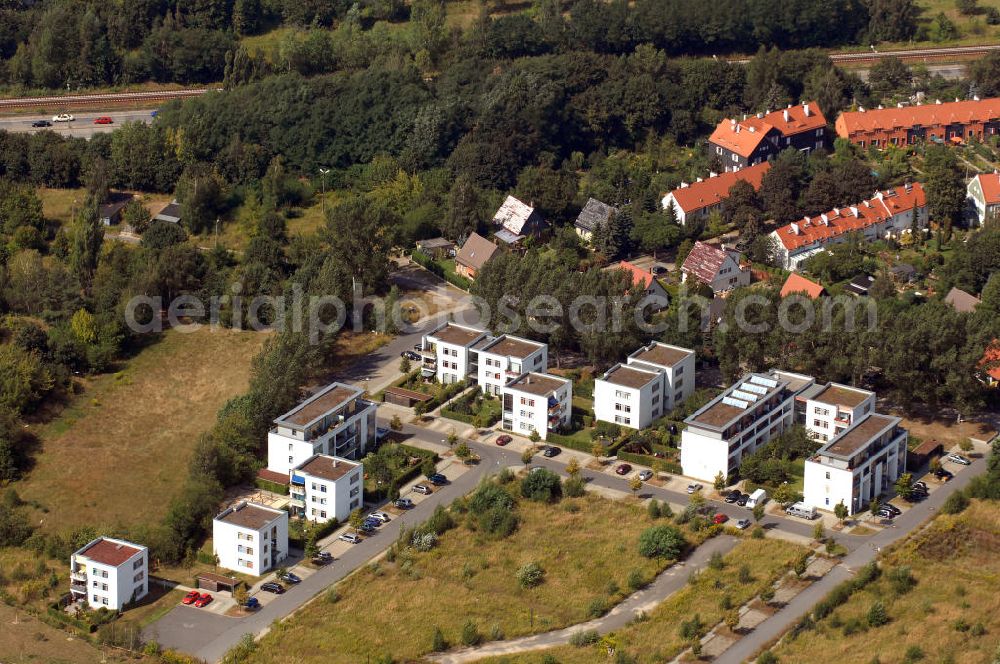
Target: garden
point(475, 408)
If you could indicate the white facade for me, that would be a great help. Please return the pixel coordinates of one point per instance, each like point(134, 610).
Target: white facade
point(250, 538)
point(983, 195)
point(834, 407)
point(499, 360)
point(861, 463)
point(326, 487)
point(652, 382)
point(337, 421)
point(451, 344)
point(748, 414)
point(109, 573)
point(537, 402)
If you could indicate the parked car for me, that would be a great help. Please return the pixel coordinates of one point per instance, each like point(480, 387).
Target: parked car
point(742, 501)
point(366, 528)
point(733, 496)
point(63, 117)
point(645, 475)
point(743, 524)
point(103, 120)
point(943, 475)
point(251, 603)
point(423, 489)
point(404, 503)
point(536, 469)
point(719, 518)
point(623, 469)
point(350, 538)
point(381, 433)
point(437, 479)
point(381, 516)
point(658, 270)
point(322, 558)
point(191, 597)
point(153, 114)
point(410, 355)
point(503, 440)
point(892, 508)
point(203, 601)
point(273, 587)
point(288, 577)
point(885, 514)
point(694, 487)
point(920, 485)
point(959, 459)
point(41, 123)
point(418, 347)
point(550, 451)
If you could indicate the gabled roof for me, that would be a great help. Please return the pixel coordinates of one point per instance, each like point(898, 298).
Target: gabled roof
point(476, 251)
point(991, 360)
point(116, 201)
point(593, 213)
point(963, 302)
point(796, 283)
point(513, 215)
point(639, 276)
point(990, 184)
point(705, 261)
point(924, 115)
point(860, 284)
point(743, 136)
point(840, 221)
point(715, 189)
point(171, 213)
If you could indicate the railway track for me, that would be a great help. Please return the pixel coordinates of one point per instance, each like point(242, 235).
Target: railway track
point(906, 55)
point(104, 99)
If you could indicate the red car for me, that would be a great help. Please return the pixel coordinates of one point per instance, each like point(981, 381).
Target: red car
point(191, 597)
point(103, 120)
point(503, 440)
point(623, 469)
point(203, 600)
point(720, 518)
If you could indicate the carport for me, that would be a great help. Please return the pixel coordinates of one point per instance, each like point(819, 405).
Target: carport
point(401, 396)
point(920, 456)
point(216, 582)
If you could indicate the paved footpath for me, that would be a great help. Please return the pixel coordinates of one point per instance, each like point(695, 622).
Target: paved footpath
point(666, 584)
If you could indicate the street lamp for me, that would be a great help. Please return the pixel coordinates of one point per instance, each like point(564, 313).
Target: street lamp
point(323, 172)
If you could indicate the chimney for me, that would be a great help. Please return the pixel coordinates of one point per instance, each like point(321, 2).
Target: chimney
point(826, 219)
point(937, 101)
point(738, 128)
point(805, 109)
point(795, 228)
point(684, 185)
point(899, 105)
point(699, 180)
point(760, 116)
point(713, 174)
point(880, 107)
point(854, 210)
point(785, 114)
point(336, 462)
point(752, 130)
point(975, 97)
point(861, 109)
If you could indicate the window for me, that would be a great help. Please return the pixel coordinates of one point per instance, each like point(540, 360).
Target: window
point(819, 132)
point(355, 478)
point(354, 491)
point(249, 537)
point(313, 512)
point(819, 423)
point(322, 515)
point(137, 564)
point(104, 586)
point(828, 474)
point(96, 584)
point(735, 158)
point(656, 387)
point(239, 548)
point(289, 459)
point(104, 601)
point(355, 504)
point(679, 371)
point(96, 599)
point(622, 394)
point(679, 383)
point(249, 564)
point(524, 413)
point(138, 577)
point(96, 571)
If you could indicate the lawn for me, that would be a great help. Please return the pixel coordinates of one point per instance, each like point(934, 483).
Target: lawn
point(952, 614)
point(658, 639)
point(587, 552)
point(118, 453)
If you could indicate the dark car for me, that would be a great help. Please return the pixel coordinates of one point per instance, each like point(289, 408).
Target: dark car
point(733, 496)
point(503, 440)
point(920, 485)
point(623, 469)
point(943, 474)
point(322, 558)
point(272, 587)
point(41, 123)
point(251, 603)
point(404, 504)
point(892, 508)
point(288, 577)
point(437, 479)
point(371, 523)
point(410, 355)
point(550, 451)
point(366, 528)
point(742, 500)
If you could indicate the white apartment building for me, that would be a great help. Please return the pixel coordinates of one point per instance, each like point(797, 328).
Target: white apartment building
point(653, 380)
point(751, 412)
point(537, 402)
point(326, 487)
point(337, 420)
point(250, 538)
point(862, 462)
point(499, 359)
point(832, 408)
point(452, 345)
point(109, 573)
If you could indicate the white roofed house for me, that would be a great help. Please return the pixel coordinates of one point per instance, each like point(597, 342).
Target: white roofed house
point(516, 220)
point(109, 573)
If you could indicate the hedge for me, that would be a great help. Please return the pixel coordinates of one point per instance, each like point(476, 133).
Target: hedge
point(653, 462)
point(268, 485)
point(569, 441)
point(432, 266)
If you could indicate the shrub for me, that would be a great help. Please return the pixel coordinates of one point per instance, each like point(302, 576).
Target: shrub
point(767, 657)
point(653, 509)
point(716, 561)
point(960, 625)
point(423, 541)
point(597, 607)
point(530, 575)
point(470, 634)
point(745, 576)
point(955, 503)
point(877, 615)
point(438, 644)
point(757, 533)
point(541, 486)
point(692, 629)
point(662, 542)
point(636, 580)
point(901, 580)
point(913, 654)
point(586, 638)
point(978, 629)
point(573, 487)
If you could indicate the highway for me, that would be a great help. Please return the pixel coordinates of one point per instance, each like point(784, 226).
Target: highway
point(83, 126)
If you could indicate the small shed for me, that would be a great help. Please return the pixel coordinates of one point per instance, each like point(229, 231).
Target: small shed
point(216, 582)
point(922, 454)
point(110, 212)
point(436, 247)
point(401, 396)
point(171, 213)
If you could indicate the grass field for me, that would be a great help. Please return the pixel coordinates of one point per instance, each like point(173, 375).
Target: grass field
point(657, 639)
point(957, 570)
point(394, 608)
point(118, 453)
point(31, 640)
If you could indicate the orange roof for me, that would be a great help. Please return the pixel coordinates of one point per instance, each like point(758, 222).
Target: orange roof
point(639, 276)
point(715, 189)
point(990, 184)
point(924, 115)
point(799, 284)
point(991, 359)
point(743, 136)
point(839, 221)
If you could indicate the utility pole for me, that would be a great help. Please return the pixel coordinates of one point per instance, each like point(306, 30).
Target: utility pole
point(323, 172)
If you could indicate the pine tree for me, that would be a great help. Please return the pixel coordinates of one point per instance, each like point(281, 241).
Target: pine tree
point(86, 238)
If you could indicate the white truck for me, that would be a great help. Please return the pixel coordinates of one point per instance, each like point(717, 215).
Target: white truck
point(758, 497)
point(801, 510)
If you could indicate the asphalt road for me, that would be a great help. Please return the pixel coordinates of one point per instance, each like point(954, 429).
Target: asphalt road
point(83, 126)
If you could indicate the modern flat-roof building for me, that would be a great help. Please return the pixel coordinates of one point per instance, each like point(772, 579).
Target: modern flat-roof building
point(326, 487)
point(652, 382)
point(109, 573)
point(250, 538)
point(499, 359)
point(452, 344)
point(757, 408)
point(953, 122)
point(860, 463)
point(537, 402)
point(337, 420)
point(832, 408)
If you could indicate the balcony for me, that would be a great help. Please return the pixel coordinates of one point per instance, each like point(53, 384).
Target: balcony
point(79, 575)
point(79, 588)
point(842, 418)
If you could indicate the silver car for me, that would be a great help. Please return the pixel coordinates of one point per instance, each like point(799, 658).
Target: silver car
point(959, 459)
point(350, 538)
point(743, 524)
point(645, 475)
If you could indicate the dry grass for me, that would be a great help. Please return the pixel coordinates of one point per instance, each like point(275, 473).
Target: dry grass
point(31, 640)
point(957, 568)
point(394, 608)
point(119, 452)
point(657, 639)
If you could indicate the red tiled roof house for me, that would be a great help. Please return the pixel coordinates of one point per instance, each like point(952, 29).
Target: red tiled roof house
point(797, 284)
point(983, 194)
point(754, 140)
point(717, 267)
point(656, 294)
point(955, 121)
point(700, 198)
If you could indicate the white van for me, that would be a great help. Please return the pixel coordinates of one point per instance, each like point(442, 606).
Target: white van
point(758, 497)
point(801, 510)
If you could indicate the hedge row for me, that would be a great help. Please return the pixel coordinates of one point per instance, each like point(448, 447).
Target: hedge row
point(653, 462)
point(432, 266)
point(273, 487)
